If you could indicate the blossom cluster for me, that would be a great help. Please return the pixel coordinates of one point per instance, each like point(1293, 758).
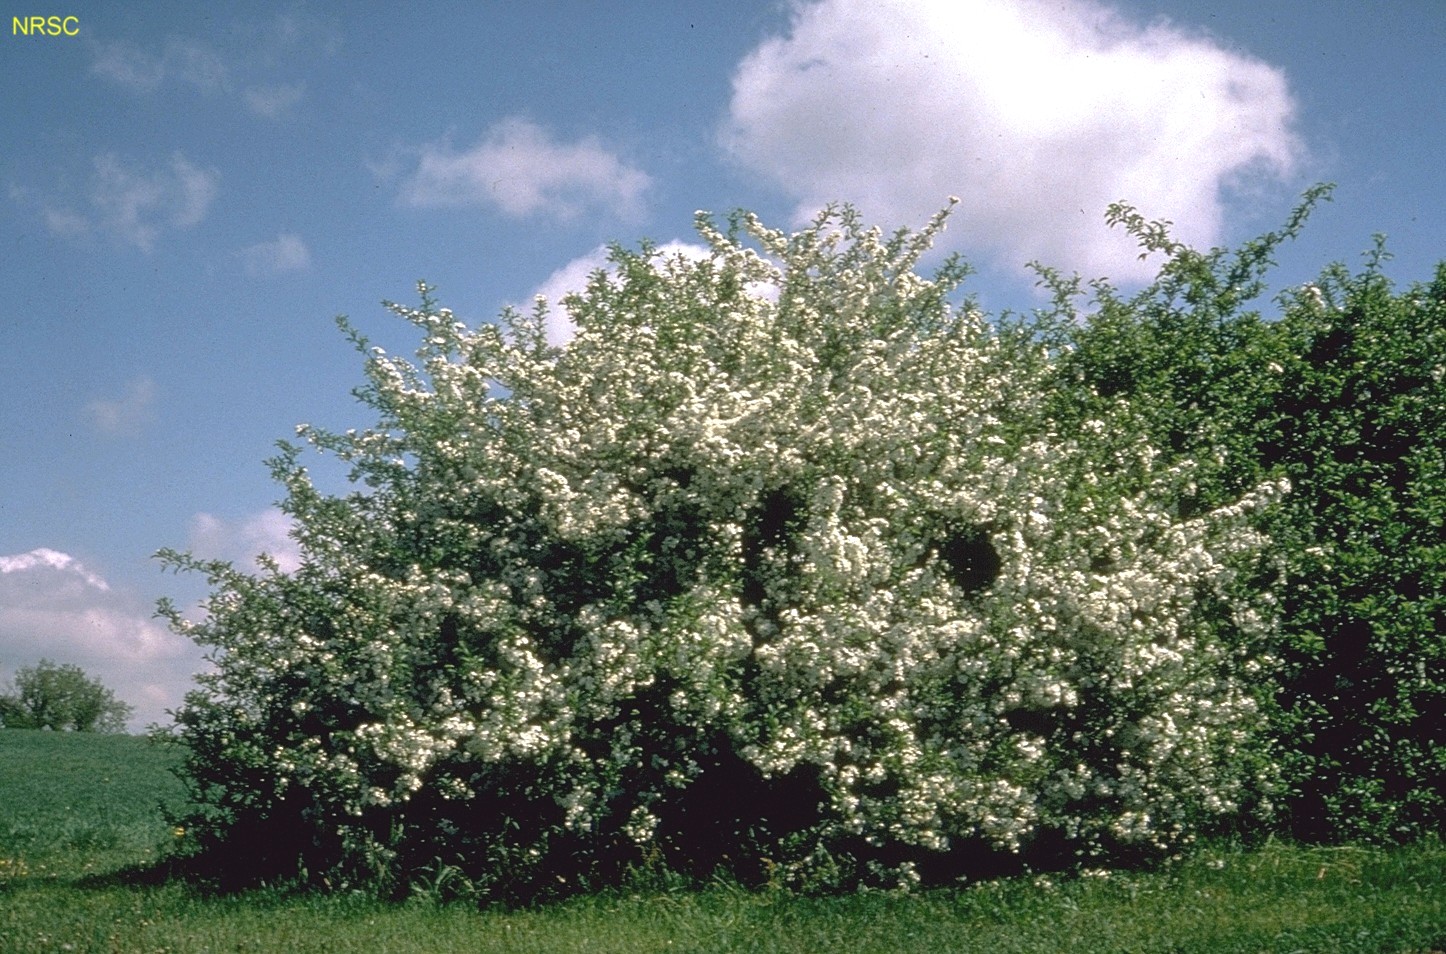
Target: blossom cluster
point(787, 511)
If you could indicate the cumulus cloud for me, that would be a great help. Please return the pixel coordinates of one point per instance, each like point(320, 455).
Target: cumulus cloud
point(1037, 114)
point(573, 277)
point(241, 540)
point(53, 607)
point(521, 170)
point(570, 278)
point(44, 557)
point(124, 416)
point(135, 205)
point(286, 253)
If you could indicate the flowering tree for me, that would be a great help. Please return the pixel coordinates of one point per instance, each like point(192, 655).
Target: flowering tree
point(780, 565)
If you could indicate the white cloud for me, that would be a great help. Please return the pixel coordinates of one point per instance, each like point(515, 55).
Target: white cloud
point(1038, 114)
point(124, 416)
point(255, 52)
point(570, 278)
point(197, 65)
point(128, 65)
point(53, 607)
point(185, 60)
point(53, 559)
point(273, 102)
point(286, 253)
point(137, 205)
point(65, 222)
point(522, 171)
point(573, 277)
point(241, 541)
point(291, 37)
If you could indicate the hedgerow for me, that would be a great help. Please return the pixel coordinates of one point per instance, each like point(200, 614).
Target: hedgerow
point(1342, 394)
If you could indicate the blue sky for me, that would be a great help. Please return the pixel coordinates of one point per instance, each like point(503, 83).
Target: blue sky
point(190, 193)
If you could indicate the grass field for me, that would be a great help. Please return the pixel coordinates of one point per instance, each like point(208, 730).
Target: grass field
point(76, 810)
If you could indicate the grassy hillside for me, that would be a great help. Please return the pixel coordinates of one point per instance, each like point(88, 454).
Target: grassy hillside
point(76, 808)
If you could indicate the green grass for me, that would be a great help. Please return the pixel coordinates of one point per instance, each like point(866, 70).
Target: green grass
point(75, 810)
point(74, 804)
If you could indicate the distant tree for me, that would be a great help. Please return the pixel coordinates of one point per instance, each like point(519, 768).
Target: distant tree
point(63, 698)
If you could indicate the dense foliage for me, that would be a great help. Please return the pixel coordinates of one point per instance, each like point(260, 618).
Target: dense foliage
point(784, 564)
point(63, 698)
point(1343, 394)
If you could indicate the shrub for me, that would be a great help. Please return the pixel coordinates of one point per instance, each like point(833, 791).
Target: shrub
point(781, 566)
point(1343, 395)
